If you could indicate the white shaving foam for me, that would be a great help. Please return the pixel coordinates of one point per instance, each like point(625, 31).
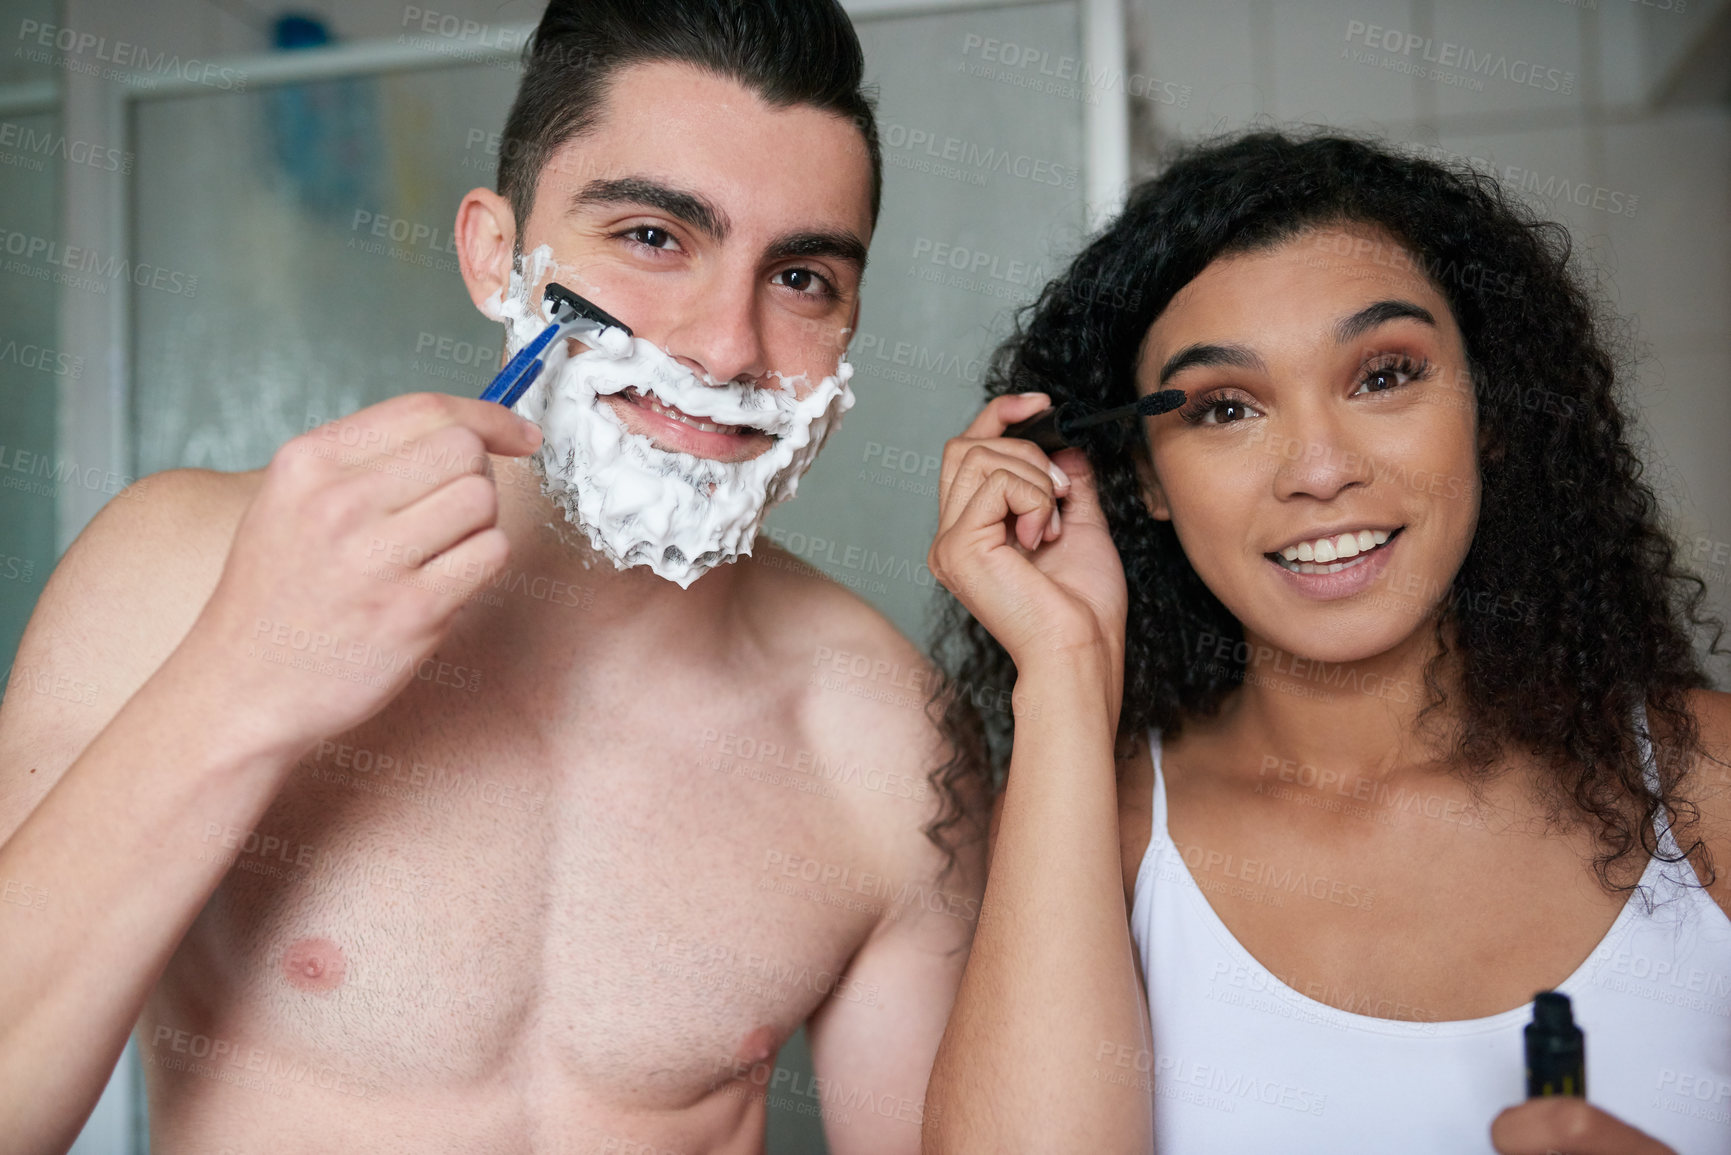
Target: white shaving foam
point(679, 514)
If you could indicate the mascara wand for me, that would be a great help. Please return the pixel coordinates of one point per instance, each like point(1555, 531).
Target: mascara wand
point(1055, 429)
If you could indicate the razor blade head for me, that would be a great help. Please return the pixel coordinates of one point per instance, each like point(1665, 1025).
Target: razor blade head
point(568, 307)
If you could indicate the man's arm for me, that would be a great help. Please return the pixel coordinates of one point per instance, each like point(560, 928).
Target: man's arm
point(98, 876)
point(97, 873)
point(873, 1042)
point(874, 1039)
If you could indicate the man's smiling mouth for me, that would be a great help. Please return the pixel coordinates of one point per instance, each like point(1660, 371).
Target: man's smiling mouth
point(672, 430)
point(655, 405)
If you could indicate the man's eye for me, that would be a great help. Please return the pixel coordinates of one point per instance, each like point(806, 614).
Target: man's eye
point(805, 281)
point(649, 235)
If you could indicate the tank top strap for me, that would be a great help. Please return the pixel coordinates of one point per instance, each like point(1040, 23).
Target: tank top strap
point(1157, 827)
point(1667, 842)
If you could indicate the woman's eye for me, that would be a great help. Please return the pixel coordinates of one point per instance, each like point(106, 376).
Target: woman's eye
point(1220, 411)
point(804, 281)
point(1385, 377)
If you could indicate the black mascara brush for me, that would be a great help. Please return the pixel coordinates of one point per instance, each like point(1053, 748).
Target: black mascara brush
point(1055, 429)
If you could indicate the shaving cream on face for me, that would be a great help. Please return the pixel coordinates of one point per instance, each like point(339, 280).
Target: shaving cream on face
point(638, 504)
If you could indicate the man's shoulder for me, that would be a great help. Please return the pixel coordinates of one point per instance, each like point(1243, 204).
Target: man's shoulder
point(114, 608)
point(850, 659)
point(859, 684)
point(176, 524)
point(137, 576)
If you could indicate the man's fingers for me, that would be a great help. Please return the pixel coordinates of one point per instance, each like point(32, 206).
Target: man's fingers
point(402, 449)
point(436, 522)
point(1563, 1125)
point(501, 431)
point(397, 427)
point(466, 567)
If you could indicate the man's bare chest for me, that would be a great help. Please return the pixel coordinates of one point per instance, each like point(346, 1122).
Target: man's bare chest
point(441, 896)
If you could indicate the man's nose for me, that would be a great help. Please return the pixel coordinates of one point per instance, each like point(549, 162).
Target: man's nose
point(720, 334)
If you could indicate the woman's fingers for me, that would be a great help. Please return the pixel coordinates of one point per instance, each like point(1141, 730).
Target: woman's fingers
point(1002, 412)
point(989, 426)
point(960, 554)
point(1563, 1125)
point(957, 450)
point(1081, 498)
point(981, 462)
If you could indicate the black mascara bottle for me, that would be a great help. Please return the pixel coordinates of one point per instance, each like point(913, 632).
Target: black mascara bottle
point(1556, 1049)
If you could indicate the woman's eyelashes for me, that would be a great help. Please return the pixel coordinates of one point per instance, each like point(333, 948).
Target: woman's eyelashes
point(1391, 370)
point(1212, 408)
point(1378, 374)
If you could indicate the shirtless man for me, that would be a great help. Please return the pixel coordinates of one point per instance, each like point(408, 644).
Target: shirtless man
point(563, 868)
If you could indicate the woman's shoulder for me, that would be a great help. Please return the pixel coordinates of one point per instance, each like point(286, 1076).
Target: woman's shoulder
point(1709, 786)
point(1712, 712)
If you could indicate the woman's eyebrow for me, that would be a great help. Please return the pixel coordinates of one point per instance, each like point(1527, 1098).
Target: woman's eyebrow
point(1369, 317)
point(1202, 356)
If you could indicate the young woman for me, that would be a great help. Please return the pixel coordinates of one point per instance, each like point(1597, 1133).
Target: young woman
point(1333, 694)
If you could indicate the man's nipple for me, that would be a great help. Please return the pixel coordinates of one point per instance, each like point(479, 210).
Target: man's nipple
point(760, 1046)
point(314, 965)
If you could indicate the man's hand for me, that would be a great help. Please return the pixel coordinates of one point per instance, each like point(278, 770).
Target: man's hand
point(1564, 1125)
point(367, 536)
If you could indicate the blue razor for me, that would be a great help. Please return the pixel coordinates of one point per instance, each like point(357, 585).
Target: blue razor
point(573, 316)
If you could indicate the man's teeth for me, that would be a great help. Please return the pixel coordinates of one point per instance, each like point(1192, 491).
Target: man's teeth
point(1331, 554)
point(649, 401)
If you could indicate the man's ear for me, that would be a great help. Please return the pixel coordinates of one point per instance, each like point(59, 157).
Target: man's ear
point(486, 235)
point(1153, 497)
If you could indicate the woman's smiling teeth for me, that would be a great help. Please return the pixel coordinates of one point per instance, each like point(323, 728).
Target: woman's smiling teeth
point(1331, 554)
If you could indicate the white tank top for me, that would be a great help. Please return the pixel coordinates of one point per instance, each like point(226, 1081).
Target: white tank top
point(1244, 1063)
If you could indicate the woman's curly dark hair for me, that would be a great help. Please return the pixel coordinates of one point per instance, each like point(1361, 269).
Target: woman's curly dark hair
point(1567, 527)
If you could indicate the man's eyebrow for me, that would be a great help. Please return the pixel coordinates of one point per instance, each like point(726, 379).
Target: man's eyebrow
point(695, 210)
point(840, 246)
point(1380, 313)
point(1202, 356)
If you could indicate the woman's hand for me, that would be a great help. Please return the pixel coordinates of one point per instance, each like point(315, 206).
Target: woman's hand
point(1564, 1125)
point(1043, 582)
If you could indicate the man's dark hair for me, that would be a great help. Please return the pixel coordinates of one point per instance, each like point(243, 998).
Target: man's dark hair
point(790, 52)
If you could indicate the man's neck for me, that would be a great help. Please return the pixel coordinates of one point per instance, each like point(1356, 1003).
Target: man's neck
point(631, 609)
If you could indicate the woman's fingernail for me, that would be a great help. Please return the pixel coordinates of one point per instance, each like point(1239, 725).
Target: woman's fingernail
point(1057, 524)
point(1059, 477)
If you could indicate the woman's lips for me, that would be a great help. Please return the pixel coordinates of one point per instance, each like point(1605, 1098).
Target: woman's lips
point(677, 432)
point(1359, 573)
